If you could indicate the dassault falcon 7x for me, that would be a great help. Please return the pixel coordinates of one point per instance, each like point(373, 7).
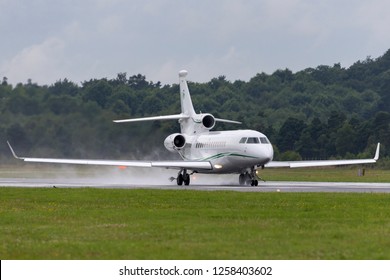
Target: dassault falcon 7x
point(205, 151)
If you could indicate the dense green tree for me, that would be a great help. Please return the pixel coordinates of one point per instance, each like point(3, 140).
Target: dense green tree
point(17, 134)
point(316, 113)
point(63, 87)
point(99, 91)
point(289, 134)
point(345, 139)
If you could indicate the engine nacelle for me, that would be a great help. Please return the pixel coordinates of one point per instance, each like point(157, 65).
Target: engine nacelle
point(208, 121)
point(175, 142)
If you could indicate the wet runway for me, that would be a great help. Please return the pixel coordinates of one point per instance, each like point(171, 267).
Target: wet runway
point(271, 186)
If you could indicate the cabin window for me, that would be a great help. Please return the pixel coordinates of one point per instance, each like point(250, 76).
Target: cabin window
point(264, 140)
point(253, 140)
point(199, 145)
point(243, 140)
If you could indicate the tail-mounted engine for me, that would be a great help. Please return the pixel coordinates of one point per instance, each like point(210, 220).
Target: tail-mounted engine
point(175, 142)
point(207, 120)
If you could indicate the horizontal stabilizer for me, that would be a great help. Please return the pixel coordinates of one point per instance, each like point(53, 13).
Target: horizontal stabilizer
point(227, 121)
point(169, 117)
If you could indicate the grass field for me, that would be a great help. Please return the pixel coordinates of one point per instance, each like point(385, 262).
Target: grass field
point(86, 223)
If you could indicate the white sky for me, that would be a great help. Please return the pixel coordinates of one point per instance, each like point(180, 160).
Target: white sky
point(48, 40)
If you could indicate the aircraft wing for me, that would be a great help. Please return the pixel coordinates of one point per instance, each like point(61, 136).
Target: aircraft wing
point(192, 165)
point(318, 163)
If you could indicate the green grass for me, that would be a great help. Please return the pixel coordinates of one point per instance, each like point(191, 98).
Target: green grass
point(47, 223)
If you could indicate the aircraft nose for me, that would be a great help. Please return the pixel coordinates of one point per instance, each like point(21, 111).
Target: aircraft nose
point(264, 152)
point(268, 153)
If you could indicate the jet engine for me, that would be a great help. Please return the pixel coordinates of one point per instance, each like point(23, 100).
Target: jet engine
point(208, 121)
point(175, 142)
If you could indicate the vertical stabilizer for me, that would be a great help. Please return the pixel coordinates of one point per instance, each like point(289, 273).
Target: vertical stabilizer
point(186, 104)
point(187, 109)
point(191, 123)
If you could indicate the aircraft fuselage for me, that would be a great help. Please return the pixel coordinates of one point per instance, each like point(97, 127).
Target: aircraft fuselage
point(228, 151)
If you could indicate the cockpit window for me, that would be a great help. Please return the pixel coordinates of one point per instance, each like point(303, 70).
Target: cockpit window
point(253, 140)
point(264, 140)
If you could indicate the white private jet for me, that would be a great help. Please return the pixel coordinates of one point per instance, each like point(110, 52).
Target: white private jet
point(204, 151)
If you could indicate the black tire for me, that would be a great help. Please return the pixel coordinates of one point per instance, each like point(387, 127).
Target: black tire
point(248, 179)
point(187, 180)
point(241, 179)
point(179, 180)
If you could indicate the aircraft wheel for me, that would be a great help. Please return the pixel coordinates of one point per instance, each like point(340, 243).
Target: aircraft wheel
point(248, 179)
point(241, 179)
point(179, 180)
point(186, 179)
point(254, 183)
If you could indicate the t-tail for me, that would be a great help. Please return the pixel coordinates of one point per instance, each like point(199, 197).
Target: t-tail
point(185, 99)
point(191, 123)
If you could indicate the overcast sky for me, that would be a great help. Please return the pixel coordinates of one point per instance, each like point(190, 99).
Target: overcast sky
point(48, 40)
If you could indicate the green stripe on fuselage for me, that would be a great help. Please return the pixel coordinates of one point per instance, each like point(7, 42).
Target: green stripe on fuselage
point(221, 155)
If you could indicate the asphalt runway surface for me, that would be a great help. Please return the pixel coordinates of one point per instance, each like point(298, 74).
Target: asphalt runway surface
point(270, 186)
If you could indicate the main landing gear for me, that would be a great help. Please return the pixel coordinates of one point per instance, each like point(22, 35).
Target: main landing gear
point(183, 177)
point(249, 178)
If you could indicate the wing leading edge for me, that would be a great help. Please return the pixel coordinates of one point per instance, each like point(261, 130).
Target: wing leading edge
point(192, 165)
point(319, 163)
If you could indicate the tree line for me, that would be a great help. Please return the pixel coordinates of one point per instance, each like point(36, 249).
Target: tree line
point(317, 113)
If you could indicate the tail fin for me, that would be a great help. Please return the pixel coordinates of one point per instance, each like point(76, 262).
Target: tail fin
point(194, 123)
point(190, 122)
point(186, 103)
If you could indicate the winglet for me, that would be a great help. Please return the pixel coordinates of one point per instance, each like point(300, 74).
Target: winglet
point(376, 157)
point(12, 151)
